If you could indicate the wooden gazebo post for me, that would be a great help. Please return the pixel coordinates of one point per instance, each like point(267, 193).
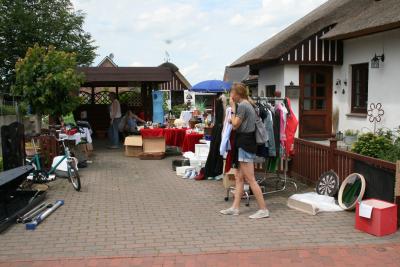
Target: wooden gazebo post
point(92, 97)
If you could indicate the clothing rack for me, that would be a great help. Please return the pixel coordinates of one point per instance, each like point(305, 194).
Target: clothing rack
point(283, 161)
point(268, 98)
point(262, 181)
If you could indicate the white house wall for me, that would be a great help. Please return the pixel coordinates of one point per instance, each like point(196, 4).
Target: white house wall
point(383, 84)
point(291, 75)
point(271, 76)
point(280, 76)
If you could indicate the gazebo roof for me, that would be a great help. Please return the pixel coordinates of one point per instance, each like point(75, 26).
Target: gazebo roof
point(124, 76)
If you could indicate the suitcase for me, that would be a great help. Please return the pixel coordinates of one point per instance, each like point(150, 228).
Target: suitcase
point(15, 202)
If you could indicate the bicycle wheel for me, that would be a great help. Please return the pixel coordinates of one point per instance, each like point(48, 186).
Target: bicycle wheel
point(74, 176)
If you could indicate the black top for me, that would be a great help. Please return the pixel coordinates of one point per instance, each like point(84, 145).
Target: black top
point(219, 111)
point(247, 142)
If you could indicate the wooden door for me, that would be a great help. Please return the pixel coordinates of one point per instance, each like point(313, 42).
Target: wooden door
point(315, 102)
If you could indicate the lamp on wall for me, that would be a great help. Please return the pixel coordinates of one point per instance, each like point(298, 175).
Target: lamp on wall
point(375, 61)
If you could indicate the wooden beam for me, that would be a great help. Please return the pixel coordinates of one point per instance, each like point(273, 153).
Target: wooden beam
point(92, 98)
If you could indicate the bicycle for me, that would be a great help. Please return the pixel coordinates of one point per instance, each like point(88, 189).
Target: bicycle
point(41, 176)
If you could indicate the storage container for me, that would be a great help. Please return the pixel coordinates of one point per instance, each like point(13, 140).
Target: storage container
point(383, 219)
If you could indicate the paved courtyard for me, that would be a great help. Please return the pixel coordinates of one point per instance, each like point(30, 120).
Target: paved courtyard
point(133, 208)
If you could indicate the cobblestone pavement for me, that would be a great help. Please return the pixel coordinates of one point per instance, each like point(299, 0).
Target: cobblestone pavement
point(128, 207)
point(378, 255)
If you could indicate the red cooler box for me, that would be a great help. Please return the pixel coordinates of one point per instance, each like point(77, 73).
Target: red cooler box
point(383, 218)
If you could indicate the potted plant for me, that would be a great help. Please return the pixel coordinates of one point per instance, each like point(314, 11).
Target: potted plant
point(350, 136)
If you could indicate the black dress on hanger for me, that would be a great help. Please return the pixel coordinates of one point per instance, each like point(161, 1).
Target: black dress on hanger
point(215, 162)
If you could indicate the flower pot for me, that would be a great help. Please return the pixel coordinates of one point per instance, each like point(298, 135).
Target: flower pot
point(350, 139)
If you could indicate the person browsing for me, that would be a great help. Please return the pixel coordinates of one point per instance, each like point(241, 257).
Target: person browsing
point(244, 122)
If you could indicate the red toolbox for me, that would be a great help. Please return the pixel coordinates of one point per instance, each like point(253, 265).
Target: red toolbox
point(382, 221)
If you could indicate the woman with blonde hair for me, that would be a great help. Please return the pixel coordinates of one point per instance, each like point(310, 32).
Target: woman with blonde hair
point(244, 122)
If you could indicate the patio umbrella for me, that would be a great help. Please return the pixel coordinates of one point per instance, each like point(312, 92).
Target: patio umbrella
point(212, 86)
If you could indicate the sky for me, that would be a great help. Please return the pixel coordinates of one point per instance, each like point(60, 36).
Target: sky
point(200, 36)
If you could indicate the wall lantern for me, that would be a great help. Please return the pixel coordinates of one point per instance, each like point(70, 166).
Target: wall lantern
point(375, 61)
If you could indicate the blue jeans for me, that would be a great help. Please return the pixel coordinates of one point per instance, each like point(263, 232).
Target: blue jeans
point(113, 132)
point(245, 156)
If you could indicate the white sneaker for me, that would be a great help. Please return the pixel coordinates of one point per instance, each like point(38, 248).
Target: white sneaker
point(187, 174)
point(230, 211)
point(260, 214)
point(192, 174)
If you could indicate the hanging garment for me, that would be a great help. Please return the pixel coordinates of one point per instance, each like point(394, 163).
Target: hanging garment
point(272, 164)
point(215, 162)
point(226, 133)
point(231, 153)
point(277, 130)
point(282, 120)
point(269, 125)
point(262, 111)
point(291, 128)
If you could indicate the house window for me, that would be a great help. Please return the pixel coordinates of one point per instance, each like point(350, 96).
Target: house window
point(359, 94)
point(270, 90)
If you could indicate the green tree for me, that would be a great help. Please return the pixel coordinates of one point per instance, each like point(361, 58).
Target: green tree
point(47, 81)
point(24, 23)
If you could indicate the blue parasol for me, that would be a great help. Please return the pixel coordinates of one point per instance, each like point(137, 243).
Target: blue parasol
point(212, 86)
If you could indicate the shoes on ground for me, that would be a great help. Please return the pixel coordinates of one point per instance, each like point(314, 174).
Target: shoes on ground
point(218, 178)
point(200, 176)
point(193, 174)
point(260, 214)
point(187, 174)
point(230, 211)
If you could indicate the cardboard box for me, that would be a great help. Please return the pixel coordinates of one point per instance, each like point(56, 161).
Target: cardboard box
point(154, 145)
point(201, 151)
point(383, 218)
point(133, 146)
point(228, 180)
point(195, 162)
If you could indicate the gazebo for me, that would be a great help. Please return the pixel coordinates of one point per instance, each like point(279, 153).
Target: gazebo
point(133, 86)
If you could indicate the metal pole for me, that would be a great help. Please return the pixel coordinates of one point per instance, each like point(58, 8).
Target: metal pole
point(44, 215)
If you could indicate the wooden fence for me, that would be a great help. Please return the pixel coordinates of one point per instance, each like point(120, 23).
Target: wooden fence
point(312, 159)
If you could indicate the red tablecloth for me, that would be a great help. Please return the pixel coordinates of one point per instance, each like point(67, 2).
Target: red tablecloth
point(152, 133)
point(190, 141)
point(174, 137)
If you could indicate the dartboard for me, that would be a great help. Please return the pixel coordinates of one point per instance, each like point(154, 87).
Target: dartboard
point(328, 184)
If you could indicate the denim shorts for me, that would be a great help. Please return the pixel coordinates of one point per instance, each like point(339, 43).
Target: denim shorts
point(245, 156)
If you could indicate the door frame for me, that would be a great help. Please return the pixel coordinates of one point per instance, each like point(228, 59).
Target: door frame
point(329, 103)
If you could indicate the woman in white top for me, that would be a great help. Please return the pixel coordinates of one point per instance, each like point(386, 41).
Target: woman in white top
point(115, 117)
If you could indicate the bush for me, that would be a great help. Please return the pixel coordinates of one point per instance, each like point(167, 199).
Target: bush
point(7, 110)
point(372, 145)
point(177, 109)
point(393, 154)
point(350, 132)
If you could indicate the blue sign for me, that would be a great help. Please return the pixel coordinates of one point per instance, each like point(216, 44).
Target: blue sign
point(158, 111)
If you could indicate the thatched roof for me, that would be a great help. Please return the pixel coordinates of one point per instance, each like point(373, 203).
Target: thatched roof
point(236, 74)
point(333, 12)
point(379, 16)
